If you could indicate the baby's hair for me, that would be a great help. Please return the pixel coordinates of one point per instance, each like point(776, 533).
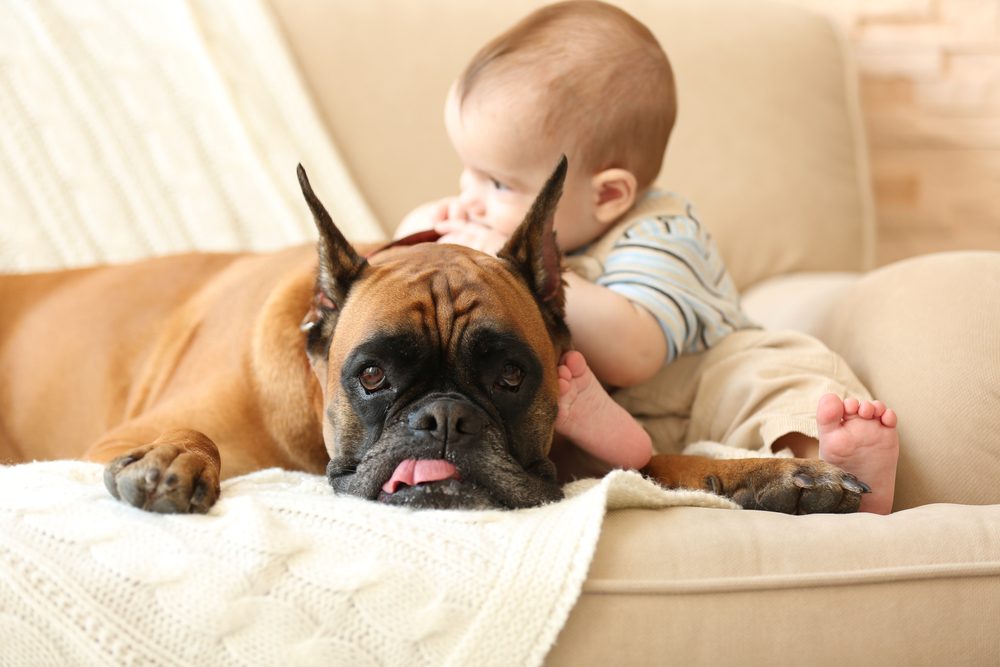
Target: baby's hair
point(599, 73)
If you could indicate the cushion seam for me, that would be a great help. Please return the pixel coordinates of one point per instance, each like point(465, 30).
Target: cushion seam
point(605, 586)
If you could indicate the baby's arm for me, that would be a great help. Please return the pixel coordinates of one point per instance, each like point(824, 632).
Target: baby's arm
point(623, 343)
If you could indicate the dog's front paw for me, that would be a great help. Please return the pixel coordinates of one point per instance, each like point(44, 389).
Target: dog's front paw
point(800, 486)
point(164, 478)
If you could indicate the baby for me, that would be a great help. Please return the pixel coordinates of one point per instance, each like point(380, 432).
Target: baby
point(652, 310)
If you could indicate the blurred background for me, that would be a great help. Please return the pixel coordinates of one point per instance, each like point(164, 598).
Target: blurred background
point(127, 125)
point(930, 94)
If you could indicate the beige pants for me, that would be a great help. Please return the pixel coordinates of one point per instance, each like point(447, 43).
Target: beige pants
point(747, 391)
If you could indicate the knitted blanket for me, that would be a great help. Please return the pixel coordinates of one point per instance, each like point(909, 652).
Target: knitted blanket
point(283, 572)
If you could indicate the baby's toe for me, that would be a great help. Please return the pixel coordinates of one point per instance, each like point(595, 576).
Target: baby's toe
point(888, 418)
point(830, 411)
point(851, 406)
point(575, 363)
point(866, 410)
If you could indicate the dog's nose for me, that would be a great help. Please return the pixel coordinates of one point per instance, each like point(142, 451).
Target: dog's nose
point(448, 419)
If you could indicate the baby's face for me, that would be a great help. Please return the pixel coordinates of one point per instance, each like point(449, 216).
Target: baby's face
point(505, 167)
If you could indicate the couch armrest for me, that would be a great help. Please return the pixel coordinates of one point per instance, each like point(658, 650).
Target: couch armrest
point(921, 335)
point(799, 301)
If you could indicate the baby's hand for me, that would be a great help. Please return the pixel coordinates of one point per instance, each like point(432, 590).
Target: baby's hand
point(449, 218)
point(475, 235)
point(425, 217)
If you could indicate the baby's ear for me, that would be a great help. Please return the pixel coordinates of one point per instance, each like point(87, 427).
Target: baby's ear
point(615, 191)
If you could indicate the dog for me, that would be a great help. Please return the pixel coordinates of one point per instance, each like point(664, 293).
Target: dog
point(423, 375)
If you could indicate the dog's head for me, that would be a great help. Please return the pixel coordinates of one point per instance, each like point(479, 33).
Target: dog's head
point(438, 365)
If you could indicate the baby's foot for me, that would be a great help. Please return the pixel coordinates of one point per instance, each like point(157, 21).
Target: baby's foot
point(592, 420)
point(860, 437)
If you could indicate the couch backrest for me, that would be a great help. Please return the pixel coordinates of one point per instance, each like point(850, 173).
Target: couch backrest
point(768, 143)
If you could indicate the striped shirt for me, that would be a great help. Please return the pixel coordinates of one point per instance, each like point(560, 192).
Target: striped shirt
point(670, 265)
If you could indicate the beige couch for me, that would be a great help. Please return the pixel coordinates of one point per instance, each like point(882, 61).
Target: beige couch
point(770, 147)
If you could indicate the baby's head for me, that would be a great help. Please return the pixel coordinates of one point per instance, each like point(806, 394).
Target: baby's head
point(579, 78)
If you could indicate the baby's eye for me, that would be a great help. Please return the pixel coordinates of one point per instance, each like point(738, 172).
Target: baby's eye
point(498, 185)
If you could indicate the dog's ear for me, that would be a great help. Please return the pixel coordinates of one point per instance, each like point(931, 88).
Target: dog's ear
point(339, 266)
point(532, 249)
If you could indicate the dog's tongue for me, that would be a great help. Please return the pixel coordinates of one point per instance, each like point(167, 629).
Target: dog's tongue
point(412, 472)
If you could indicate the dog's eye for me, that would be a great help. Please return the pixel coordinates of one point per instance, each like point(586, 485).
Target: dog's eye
point(372, 378)
point(511, 377)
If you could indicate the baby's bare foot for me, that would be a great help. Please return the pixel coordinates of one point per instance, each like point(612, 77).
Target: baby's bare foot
point(860, 437)
point(592, 420)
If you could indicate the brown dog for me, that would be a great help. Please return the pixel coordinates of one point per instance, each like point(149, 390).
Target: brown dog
point(423, 376)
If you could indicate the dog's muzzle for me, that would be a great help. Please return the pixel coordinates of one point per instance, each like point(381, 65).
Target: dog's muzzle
point(443, 424)
point(447, 421)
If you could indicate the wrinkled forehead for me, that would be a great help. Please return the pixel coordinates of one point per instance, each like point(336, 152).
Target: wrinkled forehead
point(447, 295)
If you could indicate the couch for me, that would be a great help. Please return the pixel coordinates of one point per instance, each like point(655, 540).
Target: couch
point(770, 147)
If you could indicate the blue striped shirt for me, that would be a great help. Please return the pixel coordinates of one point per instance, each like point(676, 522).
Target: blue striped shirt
point(670, 265)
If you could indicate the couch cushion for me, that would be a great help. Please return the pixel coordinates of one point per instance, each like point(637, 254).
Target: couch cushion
point(695, 586)
point(768, 143)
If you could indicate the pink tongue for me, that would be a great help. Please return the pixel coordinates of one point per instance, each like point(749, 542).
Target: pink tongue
point(412, 472)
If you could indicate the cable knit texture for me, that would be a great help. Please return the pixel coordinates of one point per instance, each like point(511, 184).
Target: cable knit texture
point(283, 572)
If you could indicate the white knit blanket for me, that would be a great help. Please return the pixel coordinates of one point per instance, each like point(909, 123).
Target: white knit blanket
point(283, 572)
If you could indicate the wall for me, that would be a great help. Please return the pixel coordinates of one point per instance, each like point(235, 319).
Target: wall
point(930, 84)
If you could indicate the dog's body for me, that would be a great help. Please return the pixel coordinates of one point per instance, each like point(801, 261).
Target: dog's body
point(425, 376)
point(98, 361)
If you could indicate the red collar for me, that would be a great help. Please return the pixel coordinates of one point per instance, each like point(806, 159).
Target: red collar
point(426, 236)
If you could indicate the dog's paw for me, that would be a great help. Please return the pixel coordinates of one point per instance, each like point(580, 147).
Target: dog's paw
point(164, 478)
point(800, 486)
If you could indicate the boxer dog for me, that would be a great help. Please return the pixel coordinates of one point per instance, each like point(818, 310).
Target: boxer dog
point(424, 375)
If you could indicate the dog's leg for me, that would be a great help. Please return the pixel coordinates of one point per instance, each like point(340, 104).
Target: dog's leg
point(9, 454)
point(178, 471)
point(792, 486)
